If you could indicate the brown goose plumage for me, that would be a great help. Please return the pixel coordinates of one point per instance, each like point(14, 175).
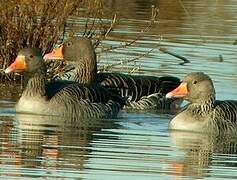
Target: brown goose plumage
point(203, 113)
point(72, 99)
point(79, 50)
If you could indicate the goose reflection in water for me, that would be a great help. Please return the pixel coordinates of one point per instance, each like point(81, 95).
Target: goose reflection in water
point(49, 143)
point(201, 151)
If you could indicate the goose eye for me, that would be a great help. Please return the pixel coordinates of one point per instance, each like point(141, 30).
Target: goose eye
point(69, 43)
point(31, 56)
point(194, 82)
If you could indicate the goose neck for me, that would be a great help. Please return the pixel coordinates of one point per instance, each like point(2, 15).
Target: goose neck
point(85, 74)
point(35, 86)
point(203, 108)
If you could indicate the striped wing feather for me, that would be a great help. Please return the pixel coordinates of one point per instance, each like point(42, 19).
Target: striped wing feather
point(137, 86)
point(93, 93)
point(225, 115)
point(81, 102)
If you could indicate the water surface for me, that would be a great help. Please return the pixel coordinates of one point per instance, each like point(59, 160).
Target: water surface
point(136, 145)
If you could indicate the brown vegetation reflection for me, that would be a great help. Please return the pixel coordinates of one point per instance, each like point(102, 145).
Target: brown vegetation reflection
point(47, 143)
point(183, 17)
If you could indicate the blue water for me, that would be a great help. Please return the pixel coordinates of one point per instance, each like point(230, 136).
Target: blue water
point(136, 145)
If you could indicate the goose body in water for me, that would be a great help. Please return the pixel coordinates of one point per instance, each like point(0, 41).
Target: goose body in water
point(144, 92)
point(69, 99)
point(203, 113)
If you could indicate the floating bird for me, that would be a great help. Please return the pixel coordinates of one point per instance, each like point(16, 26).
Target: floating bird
point(144, 92)
point(203, 113)
point(62, 99)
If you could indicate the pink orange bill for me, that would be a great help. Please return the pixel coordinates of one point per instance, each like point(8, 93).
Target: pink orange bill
point(56, 53)
point(17, 66)
point(180, 91)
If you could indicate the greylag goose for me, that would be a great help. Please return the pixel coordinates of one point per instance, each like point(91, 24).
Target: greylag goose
point(79, 50)
point(73, 99)
point(203, 113)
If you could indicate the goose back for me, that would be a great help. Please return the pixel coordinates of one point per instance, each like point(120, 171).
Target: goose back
point(156, 102)
point(93, 93)
point(137, 86)
point(225, 115)
point(71, 101)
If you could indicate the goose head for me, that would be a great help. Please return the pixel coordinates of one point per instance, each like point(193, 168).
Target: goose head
point(28, 61)
point(196, 87)
point(75, 49)
point(78, 51)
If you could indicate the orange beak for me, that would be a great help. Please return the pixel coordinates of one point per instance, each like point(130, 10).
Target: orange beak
point(180, 91)
point(56, 53)
point(18, 65)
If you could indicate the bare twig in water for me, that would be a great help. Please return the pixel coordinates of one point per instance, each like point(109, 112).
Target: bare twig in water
point(221, 59)
point(106, 32)
point(164, 50)
point(96, 25)
point(122, 62)
point(190, 17)
point(64, 32)
point(111, 25)
point(154, 15)
point(185, 60)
